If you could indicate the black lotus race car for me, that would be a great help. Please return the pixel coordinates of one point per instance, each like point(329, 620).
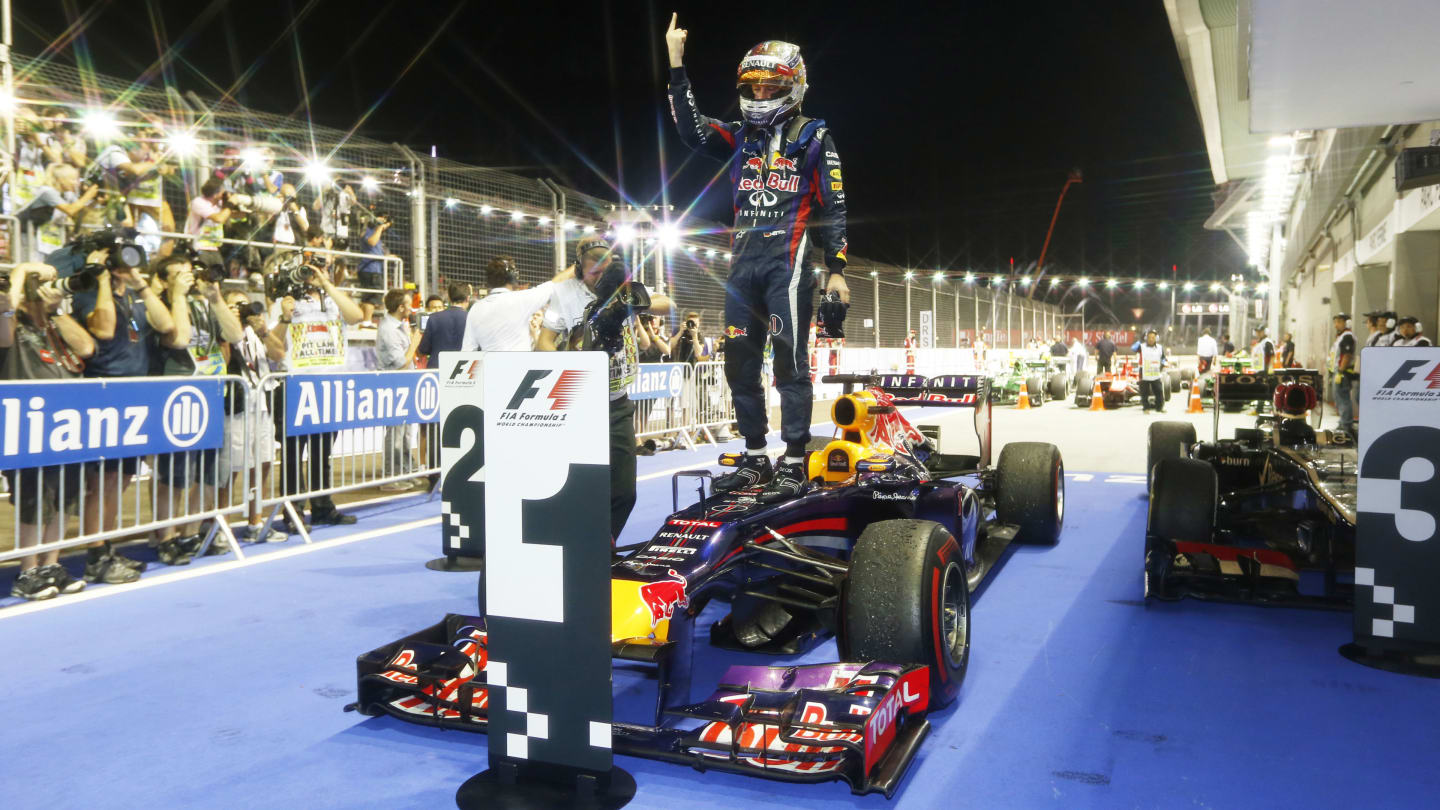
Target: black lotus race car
point(881, 553)
point(1266, 517)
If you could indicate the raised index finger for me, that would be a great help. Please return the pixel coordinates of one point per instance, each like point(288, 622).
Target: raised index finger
point(673, 16)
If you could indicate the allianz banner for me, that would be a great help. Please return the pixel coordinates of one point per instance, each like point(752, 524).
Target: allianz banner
point(658, 381)
point(322, 403)
point(65, 421)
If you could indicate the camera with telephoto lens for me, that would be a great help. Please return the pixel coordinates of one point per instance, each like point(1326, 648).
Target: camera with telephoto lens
point(86, 278)
point(830, 317)
point(265, 205)
point(212, 272)
point(249, 309)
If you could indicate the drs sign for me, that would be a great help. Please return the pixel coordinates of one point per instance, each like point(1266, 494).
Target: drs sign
point(321, 403)
point(47, 423)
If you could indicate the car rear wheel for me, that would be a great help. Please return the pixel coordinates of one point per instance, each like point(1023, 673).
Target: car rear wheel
point(1183, 494)
point(1057, 386)
point(1166, 440)
point(1187, 375)
point(1084, 387)
point(906, 601)
point(1035, 390)
point(1030, 491)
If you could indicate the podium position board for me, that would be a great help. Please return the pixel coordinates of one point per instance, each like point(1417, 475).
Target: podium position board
point(547, 500)
point(462, 460)
point(1397, 556)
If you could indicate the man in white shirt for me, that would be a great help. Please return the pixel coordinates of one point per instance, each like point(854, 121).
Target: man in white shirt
point(1206, 349)
point(1263, 352)
point(500, 322)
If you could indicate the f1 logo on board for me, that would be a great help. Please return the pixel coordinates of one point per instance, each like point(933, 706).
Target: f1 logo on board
point(528, 407)
point(185, 416)
point(1411, 370)
point(464, 373)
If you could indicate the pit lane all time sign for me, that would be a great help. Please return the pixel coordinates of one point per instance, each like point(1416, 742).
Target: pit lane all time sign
point(1397, 555)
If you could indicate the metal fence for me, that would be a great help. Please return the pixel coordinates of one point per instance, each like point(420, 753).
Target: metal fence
point(450, 219)
point(258, 471)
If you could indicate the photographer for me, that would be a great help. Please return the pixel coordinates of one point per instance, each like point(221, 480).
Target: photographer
point(371, 272)
point(248, 361)
point(60, 143)
point(124, 314)
point(396, 342)
point(132, 168)
point(206, 223)
point(595, 309)
point(653, 346)
point(334, 205)
point(291, 220)
point(306, 333)
point(56, 206)
point(687, 346)
point(42, 344)
point(203, 324)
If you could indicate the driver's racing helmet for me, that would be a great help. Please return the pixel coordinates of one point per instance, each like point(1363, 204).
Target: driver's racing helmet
point(1293, 399)
point(775, 64)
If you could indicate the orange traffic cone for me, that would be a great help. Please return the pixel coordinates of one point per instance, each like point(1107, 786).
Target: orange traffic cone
point(1024, 401)
point(1097, 398)
point(1195, 406)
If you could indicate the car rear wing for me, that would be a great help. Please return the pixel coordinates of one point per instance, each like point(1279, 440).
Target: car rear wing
point(944, 391)
point(1241, 387)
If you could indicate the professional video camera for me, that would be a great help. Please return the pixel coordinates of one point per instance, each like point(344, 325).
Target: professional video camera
point(290, 275)
point(616, 299)
point(366, 218)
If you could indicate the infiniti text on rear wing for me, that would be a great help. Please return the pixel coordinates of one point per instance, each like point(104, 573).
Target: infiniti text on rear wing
point(944, 391)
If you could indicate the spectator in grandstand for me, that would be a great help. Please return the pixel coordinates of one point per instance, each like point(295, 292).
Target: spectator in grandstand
point(41, 343)
point(305, 333)
point(185, 482)
point(370, 273)
point(1205, 349)
point(248, 361)
point(206, 223)
point(396, 342)
point(126, 317)
point(55, 207)
point(501, 320)
point(445, 331)
point(689, 345)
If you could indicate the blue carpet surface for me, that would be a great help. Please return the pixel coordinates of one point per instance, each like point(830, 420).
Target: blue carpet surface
point(225, 689)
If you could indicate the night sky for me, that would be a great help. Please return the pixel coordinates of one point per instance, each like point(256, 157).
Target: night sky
point(957, 125)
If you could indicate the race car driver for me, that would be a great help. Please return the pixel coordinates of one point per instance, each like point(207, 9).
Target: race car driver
point(783, 172)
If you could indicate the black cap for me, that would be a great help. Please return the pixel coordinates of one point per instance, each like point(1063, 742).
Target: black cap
point(1342, 316)
point(1407, 319)
point(1389, 314)
point(1375, 314)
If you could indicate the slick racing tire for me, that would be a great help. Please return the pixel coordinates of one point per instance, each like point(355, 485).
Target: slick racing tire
point(1175, 379)
point(1057, 386)
point(1165, 389)
point(1187, 375)
point(1183, 494)
point(1166, 440)
point(1030, 491)
point(1035, 390)
point(1084, 387)
point(906, 601)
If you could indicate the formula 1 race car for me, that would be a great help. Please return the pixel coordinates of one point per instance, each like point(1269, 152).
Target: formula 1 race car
point(1257, 517)
point(881, 553)
point(1118, 387)
point(1042, 380)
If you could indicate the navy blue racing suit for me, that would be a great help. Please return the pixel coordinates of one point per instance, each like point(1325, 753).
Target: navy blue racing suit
point(784, 181)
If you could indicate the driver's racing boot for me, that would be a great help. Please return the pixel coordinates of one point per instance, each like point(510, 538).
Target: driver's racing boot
point(788, 482)
point(746, 471)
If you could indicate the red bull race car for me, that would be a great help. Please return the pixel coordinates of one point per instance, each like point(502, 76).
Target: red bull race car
point(881, 554)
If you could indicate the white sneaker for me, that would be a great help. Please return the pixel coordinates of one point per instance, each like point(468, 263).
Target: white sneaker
point(397, 486)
